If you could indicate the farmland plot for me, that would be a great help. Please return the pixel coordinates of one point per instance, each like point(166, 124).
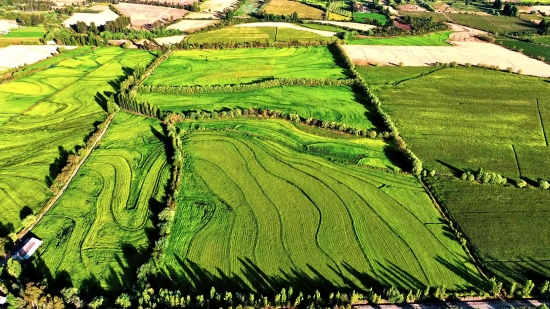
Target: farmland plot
point(190, 25)
point(105, 237)
point(505, 225)
point(287, 7)
point(211, 67)
point(56, 125)
point(434, 39)
point(469, 118)
point(99, 19)
point(491, 23)
point(18, 55)
point(328, 103)
point(143, 14)
point(267, 209)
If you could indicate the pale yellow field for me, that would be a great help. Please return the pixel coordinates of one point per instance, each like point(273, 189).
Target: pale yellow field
point(192, 25)
point(170, 39)
point(18, 55)
point(287, 7)
point(462, 53)
point(351, 25)
point(288, 25)
point(98, 18)
point(142, 14)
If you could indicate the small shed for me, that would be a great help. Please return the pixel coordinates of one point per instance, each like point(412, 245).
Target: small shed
point(3, 299)
point(28, 249)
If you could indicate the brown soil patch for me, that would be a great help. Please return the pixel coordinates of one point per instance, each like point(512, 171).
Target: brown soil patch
point(412, 8)
point(402, 25)
point(142, 14)
point(287, 7)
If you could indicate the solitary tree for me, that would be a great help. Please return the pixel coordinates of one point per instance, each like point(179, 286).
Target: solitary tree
point(497, 5)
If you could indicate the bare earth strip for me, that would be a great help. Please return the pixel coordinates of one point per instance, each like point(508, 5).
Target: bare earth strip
point(351, 25)
point(462, 33)
point(18, 55)
point(288, 25)
point(491, 304)
point(6, 25)
point(98, 18)
point(462, 53)
point(192, 25)
point(542, 8)
point(170, 39)
point(142, 14)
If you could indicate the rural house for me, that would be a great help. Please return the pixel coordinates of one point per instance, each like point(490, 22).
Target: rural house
point(28, 249)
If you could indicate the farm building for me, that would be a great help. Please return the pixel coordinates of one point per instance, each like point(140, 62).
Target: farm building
point(28, 249)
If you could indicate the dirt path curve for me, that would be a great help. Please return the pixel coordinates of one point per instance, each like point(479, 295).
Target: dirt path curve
point(491, 304)
point(56, 197)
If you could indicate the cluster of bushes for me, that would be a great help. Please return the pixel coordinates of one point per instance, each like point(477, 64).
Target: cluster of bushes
point(33, 5)
point(419, 25)
point(484, 177)
point(278, 82)
point(425, 5)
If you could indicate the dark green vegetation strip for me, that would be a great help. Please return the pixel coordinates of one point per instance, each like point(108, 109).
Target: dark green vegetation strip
point(265, 208)
point(453, 122)
point(106, 235)
point(434, 39)
point(496, 24)
point(505, 225)
point(536, 51)
point(221, 67)
point(71, 95)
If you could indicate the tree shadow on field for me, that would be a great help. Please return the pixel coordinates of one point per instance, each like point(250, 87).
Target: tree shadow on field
point(526, 268)
point(57, 165)
point(115, 83)
point(457, 172)
point(395, 156)
point(24, 212)
point(101, 100)
point(467, 274)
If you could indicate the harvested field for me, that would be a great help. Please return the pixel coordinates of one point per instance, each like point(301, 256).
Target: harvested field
point(505, 225)
point(351, 25)
point(434, 39)
point(236, 34)
point(51, 113)
point(464, 52)
point(212, 9)
point(462, 33)
point(412, 8)
point(288, 7)
point(99, 19)
point(115, 191)
point(491, 23)
point(169, 40)
point(142, 14)
point(542, 8)
point(6, 25)
point(182, 2)
point(20, 55)
point(222, 67)
point(458, 125)
point(289, 26)
point(192, 25)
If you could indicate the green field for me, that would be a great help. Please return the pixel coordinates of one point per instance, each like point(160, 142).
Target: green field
point(341, 8)
point(390, 74)
point(268, 211)
point(253, 34)
point(435, 16)
point(542, 40)
point(221, 67)
point(434, 39)
point(34, 136)
point(459, 123)
point(25, 32)
point(248, 7)
point(116, 190)
point(506, 226)
point(491, 23)
point(361, 17)
point(529, 49)
point(329, 103)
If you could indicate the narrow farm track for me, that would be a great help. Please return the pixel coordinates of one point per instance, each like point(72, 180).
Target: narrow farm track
point(56, 197)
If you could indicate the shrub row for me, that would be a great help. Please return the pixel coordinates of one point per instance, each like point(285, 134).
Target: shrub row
point(484, 177)
point(247, 87)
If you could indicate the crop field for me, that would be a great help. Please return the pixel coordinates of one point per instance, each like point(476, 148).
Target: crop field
point(116, 190)
point(361, 17)
point(59, 111)
point(25, 32)
point(330, 103)
point(340, 8)
point(222, 67)
point(352, 25)
point(458, 124)
point(390, 74)
point(287, 7)
point(268, 212)
point(190, 25)
point(435, 16)
point(529, 49)
point(142, 14)
point(249, 7)
point(542, 40)
point(491, 23)
point(434, 39)
point(505, 225)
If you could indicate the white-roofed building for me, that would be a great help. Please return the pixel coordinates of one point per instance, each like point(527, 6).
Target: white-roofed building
point(28, 249)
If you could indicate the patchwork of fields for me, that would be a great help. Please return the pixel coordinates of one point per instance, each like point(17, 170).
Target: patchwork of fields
point(268, 211)
point(52, 110)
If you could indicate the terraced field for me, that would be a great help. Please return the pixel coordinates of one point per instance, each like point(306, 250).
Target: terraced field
point(328, 103)
point(214, 67)
point(263, 212)
point(58, 109)
point(116, 190)
point(470, 118)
